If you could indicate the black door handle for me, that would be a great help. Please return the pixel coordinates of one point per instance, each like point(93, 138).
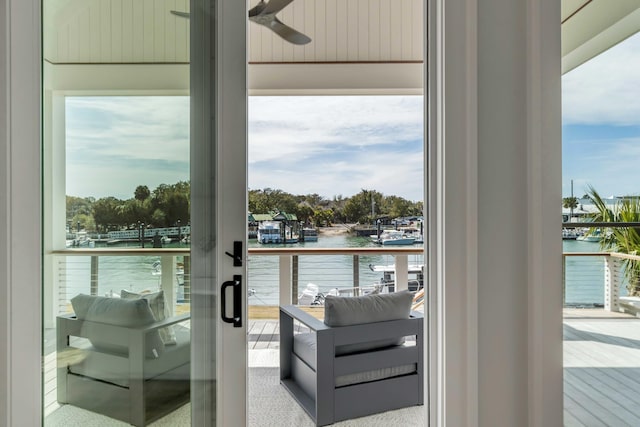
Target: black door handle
point(237, 301)
point(237, 254)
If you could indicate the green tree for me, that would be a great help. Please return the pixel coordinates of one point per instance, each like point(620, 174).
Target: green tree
point(396, 207)
point(78, 206)
point(304, 211)
point(269, 200)
point(570, 202)
point(363, 207)
point(134, 211)
point(106, 214)
point(322, 217)
point(86, 222)
point(170, 203)
point(142, 193)
point(620, 239)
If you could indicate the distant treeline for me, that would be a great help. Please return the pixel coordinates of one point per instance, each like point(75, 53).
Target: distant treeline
point(168, 204)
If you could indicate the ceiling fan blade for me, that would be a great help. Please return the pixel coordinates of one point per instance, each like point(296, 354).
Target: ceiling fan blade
point(275, 6)
point(181, 14)
point(287, 33)
point(257, 9)
point(260, 15)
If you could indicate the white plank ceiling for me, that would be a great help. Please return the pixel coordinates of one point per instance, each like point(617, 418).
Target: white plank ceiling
point(144, 31)
point(357, 47)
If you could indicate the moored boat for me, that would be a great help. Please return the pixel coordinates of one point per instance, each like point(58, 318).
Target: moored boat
point(394, 238)
point(269, 232)
point(415, 271)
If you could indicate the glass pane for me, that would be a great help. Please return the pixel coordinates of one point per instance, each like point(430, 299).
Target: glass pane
point(336, 197)
point(116, 198)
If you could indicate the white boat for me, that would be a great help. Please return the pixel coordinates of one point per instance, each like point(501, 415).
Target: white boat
point(81, 239)
point(585, 238)
point(570, 234)
point(413, 232)
point(415, 271)
point(394, 238)
point(596, 236)
point(269, 232)
point(157, 271)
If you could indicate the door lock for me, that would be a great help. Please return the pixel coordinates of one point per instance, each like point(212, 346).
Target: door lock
point(237, 254)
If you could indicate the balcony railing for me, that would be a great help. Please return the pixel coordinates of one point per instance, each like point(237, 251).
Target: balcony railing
point(277, 276)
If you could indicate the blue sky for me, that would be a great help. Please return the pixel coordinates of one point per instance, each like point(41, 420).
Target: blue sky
point(601, 123)
point(341, 145)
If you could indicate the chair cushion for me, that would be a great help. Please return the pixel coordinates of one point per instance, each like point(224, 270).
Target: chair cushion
point(375, 375)
point(116, 369)
point(345, 311)
point(304, 346)
point(118, 312)
point(160, 311)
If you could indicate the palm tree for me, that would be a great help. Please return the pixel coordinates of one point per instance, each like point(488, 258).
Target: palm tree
point(570, 202)
point(625, 240)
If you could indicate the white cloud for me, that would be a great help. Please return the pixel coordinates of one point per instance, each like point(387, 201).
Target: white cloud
point(305, 126)
point(606, 89)
point(154, 127)
point(337, 145)
point(324, 145)
point(390, 173)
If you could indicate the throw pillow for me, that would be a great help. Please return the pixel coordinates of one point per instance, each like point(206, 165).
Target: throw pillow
point(116, 312)
point(345, 311)
point(160, 311)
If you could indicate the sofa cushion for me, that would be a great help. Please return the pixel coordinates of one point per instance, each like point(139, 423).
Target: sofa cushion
point(345, 311)
point(160, 311)
point(375, 375)
point(117, 312)
point(304, 346)
point(117, 369)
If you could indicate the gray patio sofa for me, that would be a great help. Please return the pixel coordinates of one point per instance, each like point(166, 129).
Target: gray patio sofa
point(363, 367)
point(117, 365)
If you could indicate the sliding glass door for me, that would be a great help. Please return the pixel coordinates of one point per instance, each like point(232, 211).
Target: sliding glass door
point(144, 199)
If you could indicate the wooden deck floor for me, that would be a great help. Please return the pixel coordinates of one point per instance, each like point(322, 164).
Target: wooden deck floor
point(601, 367)
point(601, 370)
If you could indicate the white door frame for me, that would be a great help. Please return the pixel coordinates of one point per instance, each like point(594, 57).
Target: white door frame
point(20, 247)
point(218, 209)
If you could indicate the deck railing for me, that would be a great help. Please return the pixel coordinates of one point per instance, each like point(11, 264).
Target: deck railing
point(599, 274)
point(277, 276)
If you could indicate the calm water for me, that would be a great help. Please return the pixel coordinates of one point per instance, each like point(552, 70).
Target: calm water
point(584, 275)
point(325, 271)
